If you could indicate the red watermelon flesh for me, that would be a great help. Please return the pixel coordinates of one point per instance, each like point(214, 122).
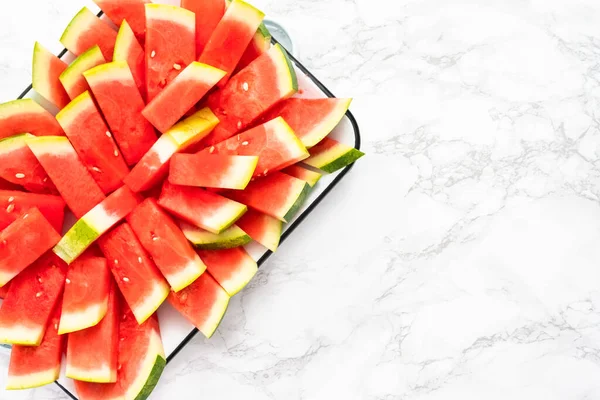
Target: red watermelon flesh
point(87, 30)
point(163, 240)
point(6, 185)
point(232, 268)
point(262, 228)
point(212, 171)
point(138, 278)
point(127, 48)
point(34, 366)
point(132, 11)
point(23, 242)
point(4, 290)
point(45, 72)
point(32, 297)
point(208, 14)
point(14, 203)
point(27, 116)
point(170, 45)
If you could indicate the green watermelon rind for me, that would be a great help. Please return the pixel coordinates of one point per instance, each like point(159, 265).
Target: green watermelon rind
point(214, 328)
point(153, 378)
point(75, 241)
point(290, 66)
point(229, 243)
point(264, 31)
point(74, 70)
point(298, 203)
point(346, 159)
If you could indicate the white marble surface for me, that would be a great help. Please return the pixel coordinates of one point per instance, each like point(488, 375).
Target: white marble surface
point(461, 257)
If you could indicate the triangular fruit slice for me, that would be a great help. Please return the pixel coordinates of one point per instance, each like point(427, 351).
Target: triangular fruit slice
point(262, 228)
point(130, 10)
point(212, 170)
point(72, 179)
point(92, 353)
point(260, 44)
point(252, 92)
point(85, 300)
point(278, 195)
point(72, 78)
point(232, 268)
point(203, 303)
point(204, 209)
point(14, 203)
point(45, 72)
point(165, 57)
point(23, 242)
point(128, 49)
point(307, 175)
point(27, 116)
point(89, 135)
point(154, 165)
point(330, 155)
point(202, 239)
point(184, 91)
point(166, 244)
point(140, 282)
point(86, 30)
point(32, 297)
point(35, 366)
point(208, 14)
point(95, 223)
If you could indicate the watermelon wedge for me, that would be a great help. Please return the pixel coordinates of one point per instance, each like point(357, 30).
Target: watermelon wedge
point(92, 353)
point(18, 165)
point(278, 195)
point(231, 237)
point(132, 11)
point(208, 14)
point(72, 78)
point(231, 37)
point(89, 135)
point(140, 282)
point(260, 44)
point(29, 304)
point(330, 155)
point(305, 174)
point(121, 103)
point(27, 116)
point(203, 303)
point(201, 208)
point(170, 44)
point(212, 170)
point(23, 242)
point(35, 366)
point(311, 119)
point(87, 30)
point(95, 223)
point(128, 49)
point(85, 300)
point(262, 228)
point(166, 244)
point(232, 268)
point(251, 92)
point(181, 94)
point(154, 165)
point(14, 203)
point(46, 69)
point(72, 179)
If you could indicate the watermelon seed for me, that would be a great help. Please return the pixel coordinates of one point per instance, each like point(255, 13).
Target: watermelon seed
point(96, 169)
point(176, 66)
point(154, 237)
point(140, 260)
point(152, 54)
point(162, 83)
point(212, 148)
point(68, 281)
point(45, 179)
point(116, 153)
point(239, 125)
point(265, 172)
point(19, 176)
point(11, 199)
point(245, 86)
point(25, 216)
point(55, 326)
point(10, 208)
point(244, 143)
point(38, 294)
point(39, 279)
point(108, 134)
point(119, 367)
point(125, 279)
point(116, 261)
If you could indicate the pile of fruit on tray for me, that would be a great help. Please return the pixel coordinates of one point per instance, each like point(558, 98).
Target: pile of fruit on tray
point(178, 141)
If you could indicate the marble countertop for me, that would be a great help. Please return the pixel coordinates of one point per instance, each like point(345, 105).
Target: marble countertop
point(461, 257)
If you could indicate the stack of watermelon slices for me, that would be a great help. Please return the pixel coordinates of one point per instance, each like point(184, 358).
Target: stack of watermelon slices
point(171, 156)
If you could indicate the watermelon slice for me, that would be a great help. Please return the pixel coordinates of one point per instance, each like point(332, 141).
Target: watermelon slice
point(122, 104)
point(92, 353)
point(85, 300)
point(251, 92)
point(72, 78)
point(201, 208)
point(140, 282)
point(260, 44)
point(330, 155)
point(18, 165)
point(166, 244)
point(278, 195)
point(86, 30)
point(262, 228)
point(23, 242)
point(140, 363)
point(154, 166)
point(131, 10)
point(308, 176)
point(128, 49)
point(32, 297)
point(232, 268)
point(212, 171)
point(231, 237)
point(14, 203)
point(35, 366)
point(46, 69)
point(72, 179)
point(93, 142)
point(95, 223)
point(170, 44)
point(311, 119)
point(184, 91)
point(231, 37)
point(203, 303)
point(27, 116)
point(208, 14)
